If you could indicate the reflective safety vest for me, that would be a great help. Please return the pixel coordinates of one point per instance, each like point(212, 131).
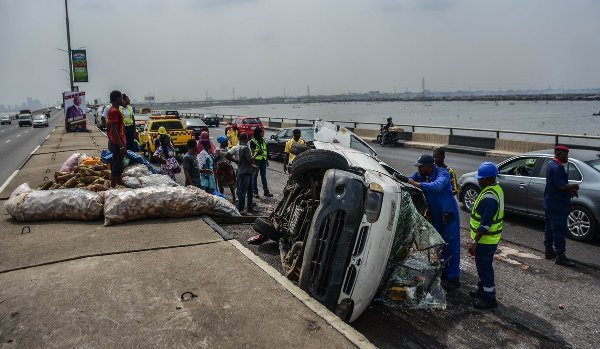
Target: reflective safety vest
point(260, 146)
point(127, 115)
point(495, 229)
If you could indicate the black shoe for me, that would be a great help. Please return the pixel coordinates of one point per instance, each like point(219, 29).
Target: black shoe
point(485, 305)
point(561, 259)
point(475, 294)
point(550, 253)
point(256, 196)
point(450, 285)
point(268, 195)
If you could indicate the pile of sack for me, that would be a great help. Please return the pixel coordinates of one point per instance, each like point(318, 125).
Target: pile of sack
point(81, 191)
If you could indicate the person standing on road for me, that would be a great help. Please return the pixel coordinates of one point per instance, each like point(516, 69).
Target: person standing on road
point(557, 206)
point(439, 155)
point(191, 168)
point(443, 209)
point(225, 171)
point(207, 168)
point(232, 134)
point(166, 155)
point(245, 170)
point(116, 139)
point(487, 222)
point(258, 145)
point(289, 157)
point(129, 122)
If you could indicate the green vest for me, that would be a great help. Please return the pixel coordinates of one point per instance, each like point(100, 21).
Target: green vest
point(260, 146)
point(127, 119)
point(497, 224)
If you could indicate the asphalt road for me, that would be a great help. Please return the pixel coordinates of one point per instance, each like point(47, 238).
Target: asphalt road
point(17, 143)
point(519, 230)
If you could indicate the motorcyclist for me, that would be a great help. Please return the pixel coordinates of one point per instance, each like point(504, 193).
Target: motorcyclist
point(385, 130)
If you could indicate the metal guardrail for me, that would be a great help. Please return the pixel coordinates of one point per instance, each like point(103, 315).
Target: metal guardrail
point(451, 129)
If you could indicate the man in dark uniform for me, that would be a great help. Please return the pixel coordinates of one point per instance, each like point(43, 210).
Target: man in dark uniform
point(557, 206)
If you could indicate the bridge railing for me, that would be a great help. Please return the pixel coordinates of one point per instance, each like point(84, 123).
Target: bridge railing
point(547, 137)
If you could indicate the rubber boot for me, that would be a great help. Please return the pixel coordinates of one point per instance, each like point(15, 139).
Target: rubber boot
point(561, 259)
point(550, 254)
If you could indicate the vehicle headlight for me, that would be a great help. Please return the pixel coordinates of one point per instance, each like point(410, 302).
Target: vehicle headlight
point(373, 202)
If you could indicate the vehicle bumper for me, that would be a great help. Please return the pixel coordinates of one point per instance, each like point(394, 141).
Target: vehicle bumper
point(335, 228)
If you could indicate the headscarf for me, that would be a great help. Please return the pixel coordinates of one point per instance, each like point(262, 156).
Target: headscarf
point(205, 137)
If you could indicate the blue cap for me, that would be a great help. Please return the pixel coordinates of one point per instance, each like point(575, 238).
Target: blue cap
point(424, 160)
point(487, 170)
point(221, 139)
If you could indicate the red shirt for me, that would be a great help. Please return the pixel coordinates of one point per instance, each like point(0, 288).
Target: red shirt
point(115, 117)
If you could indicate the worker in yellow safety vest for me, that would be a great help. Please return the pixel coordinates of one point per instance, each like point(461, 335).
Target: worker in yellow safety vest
point(487, 222)
point(129, 122)
point(258, 145)
point(289, 156)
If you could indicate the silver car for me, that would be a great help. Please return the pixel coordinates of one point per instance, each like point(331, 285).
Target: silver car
point(40, 121)
point(523, 179)
point(5, 119)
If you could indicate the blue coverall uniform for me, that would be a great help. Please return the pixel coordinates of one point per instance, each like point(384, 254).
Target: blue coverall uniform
point(557, 206)
point(444, 215)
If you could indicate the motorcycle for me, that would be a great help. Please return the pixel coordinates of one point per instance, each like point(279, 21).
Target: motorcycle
point(391, 136)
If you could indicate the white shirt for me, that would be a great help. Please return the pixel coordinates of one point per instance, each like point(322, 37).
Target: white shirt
point(105, 111)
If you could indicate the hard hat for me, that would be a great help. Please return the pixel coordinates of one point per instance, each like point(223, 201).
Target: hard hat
point(221, 139)
point(162, 130)
point(487, 170)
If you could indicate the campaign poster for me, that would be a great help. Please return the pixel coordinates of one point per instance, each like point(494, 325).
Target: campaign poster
point(75, 111)
point(80, 69)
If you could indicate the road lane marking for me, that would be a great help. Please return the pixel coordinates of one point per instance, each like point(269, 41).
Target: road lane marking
point(18, 135)
point(48, 136)
point(26, 131)
point(36, 148)
point(5, 184)
point(8, 141)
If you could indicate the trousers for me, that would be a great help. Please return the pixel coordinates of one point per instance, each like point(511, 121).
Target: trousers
point(129, 138)
point(262, 169)
point(484, 257)
point(556, 229)
point(451, 254)
point(244, 191)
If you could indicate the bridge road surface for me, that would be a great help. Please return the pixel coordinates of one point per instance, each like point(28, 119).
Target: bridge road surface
point(523, 231)
point(17, 143)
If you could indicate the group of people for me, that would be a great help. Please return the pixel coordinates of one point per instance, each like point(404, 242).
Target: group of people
point(439, 185)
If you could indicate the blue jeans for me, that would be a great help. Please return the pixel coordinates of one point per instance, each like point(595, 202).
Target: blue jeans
point(484, 256)
point(556, 229)
point(451, 253)
point(129, 137)
point(244, 190)
point(262, 169)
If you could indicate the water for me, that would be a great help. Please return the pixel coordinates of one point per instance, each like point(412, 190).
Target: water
point(563, 117)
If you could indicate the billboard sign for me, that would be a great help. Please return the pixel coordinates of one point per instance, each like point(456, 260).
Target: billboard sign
point(80, 70)
point(75, 111)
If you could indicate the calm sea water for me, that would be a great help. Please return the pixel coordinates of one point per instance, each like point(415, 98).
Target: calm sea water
point(553, 116)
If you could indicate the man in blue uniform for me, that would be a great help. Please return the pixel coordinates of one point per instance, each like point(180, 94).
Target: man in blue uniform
point(557, 205)
point(487, 222)
point(436, 184)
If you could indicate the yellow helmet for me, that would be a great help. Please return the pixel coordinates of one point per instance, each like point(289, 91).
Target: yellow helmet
point(162, 131)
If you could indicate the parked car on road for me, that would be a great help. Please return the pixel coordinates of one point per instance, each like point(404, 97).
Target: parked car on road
point(523, 179)
point(211, 120)
point(5, 119)
point(276, 144)
point(174, 113)
point(174, 127)
point(25, 119)
point(247, 124)
point(195, 125)
point(40, 121)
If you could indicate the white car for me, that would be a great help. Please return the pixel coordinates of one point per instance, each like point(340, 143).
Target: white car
point(40, 121)
point(5, 119)
point(340, 224)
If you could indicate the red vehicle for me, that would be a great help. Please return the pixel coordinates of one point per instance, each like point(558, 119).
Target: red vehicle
point(247, 124)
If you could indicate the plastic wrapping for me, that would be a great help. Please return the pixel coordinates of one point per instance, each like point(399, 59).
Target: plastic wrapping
point(132, 182)
point(137, 170)
point(413, 272)
point(123, 205)
point(27, 205)
point(157, 180)
point(71, 162)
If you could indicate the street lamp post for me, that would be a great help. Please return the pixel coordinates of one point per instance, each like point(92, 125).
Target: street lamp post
point(69, 48)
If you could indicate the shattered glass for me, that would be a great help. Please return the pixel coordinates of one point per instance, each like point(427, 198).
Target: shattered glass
point(414, 268)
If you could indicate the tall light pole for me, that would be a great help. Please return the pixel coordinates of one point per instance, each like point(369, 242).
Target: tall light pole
point(69, 48)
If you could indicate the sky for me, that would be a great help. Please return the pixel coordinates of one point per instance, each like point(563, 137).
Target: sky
point(186, 49)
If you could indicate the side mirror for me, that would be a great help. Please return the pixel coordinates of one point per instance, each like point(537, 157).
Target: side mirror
point(273, 136)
